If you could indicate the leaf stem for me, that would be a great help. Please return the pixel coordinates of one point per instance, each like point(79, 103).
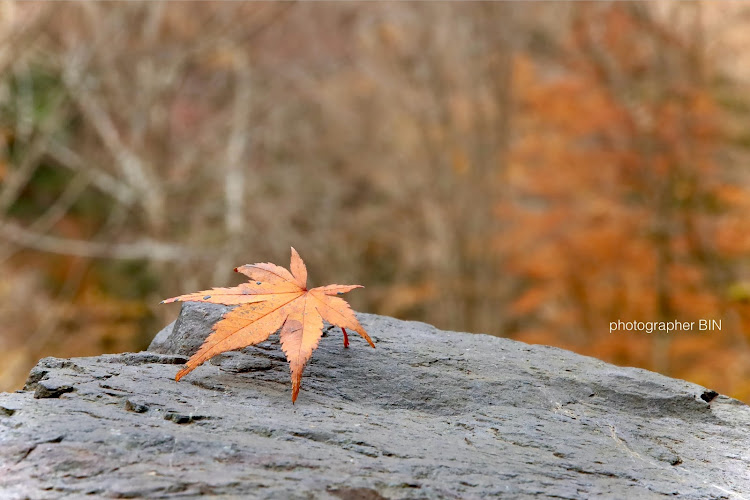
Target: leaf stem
point(346, 337)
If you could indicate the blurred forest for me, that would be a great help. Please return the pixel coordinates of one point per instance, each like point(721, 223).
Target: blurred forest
point(529, 170)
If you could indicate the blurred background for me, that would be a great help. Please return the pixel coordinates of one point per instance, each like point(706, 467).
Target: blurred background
point(527, 170)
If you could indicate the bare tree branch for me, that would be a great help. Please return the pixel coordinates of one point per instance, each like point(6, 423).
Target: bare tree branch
point(237, 146)
point(137, 174)
point(107, 184)
point(143, 249)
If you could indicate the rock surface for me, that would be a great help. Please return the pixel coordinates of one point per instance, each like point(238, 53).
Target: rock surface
point(427, 414)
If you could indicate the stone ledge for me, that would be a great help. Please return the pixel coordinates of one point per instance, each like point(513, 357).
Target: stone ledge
point(427, 414)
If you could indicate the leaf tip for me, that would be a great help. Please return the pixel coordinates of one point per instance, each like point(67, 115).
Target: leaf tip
point(295, 390)
point(182, 373)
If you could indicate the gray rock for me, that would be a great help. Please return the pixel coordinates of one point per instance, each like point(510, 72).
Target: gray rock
point(162, 340)
point(427, 414)
point(186, 334)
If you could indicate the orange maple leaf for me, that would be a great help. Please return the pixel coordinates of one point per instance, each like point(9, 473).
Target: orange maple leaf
point(274, 299)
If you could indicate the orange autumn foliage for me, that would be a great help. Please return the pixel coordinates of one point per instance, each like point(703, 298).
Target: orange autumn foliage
point(620, 209)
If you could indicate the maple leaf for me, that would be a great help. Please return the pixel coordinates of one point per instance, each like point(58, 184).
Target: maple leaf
point(274, 299)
